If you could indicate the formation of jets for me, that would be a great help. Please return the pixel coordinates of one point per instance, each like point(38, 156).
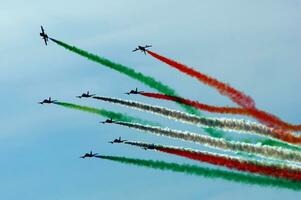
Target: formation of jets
point(142, 48)
point(44, 35)
point(47, 101)
point(133, 92)
point(89, 155)
point(86, 95)
point(117, 141)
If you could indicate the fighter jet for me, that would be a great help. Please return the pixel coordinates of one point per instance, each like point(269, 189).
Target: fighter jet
point(86, 95)
point(44, 35)
point(133, 92)
point(89, 155)
point(142, 49)
point(47, 101)
point(108, 121)
point(152, 146)
point(117, 141)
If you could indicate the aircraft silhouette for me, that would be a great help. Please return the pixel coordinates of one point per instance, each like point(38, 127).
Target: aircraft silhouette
point(133, 92)
point(89, 155)
point(44, 35)
point(86, 95)
point(152, 146)
point(117, 141)
point(108, 121)
point(47, 101)
point(142, 49)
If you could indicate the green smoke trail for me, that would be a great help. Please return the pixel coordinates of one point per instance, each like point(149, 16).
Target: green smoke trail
point(147, 80)
point(280, 144)
point(105, 113)
point(208, 173)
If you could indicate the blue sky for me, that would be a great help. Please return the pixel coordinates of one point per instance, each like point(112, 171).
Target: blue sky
point(255, 46)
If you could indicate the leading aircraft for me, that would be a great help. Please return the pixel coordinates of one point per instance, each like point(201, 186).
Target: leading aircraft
point(133, 92)
point(110, 121)
point(86, 95)
point(142, 48)
point(44, 35)
point(47, 101)
point(117, 141)
point(89, 155)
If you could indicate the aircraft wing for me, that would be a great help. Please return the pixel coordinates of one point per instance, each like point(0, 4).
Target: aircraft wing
point(45, 41)
point(42, 29)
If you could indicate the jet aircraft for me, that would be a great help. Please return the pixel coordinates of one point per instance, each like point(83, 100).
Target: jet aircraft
point(117, 141)
point(89, 155)
point(86, 95)
point(47, 101)
point(142, 48)
point(133, 92)
point(44, 35)
point(152, 146)
point(108, 121)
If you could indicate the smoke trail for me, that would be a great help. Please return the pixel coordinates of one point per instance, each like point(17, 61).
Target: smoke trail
point(104, 113)
point(236, 96)
point(263, 151)
point(224, 124)
point(152, 146)
point(196, 104)
point(147, 80)
point(236, 164)
point(208, 173)
point(262, 116)
point(263, 168)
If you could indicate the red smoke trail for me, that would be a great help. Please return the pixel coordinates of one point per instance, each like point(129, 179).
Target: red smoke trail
point(286, 136)
point(262, 116)
point(235, 164)
point(200, 106)
point(235, 95)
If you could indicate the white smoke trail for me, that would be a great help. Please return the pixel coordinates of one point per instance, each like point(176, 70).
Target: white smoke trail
point(224, 124)
point(263, 151)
